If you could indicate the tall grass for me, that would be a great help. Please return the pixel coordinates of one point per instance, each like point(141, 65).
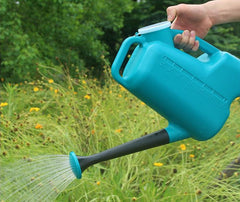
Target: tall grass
point(60, 114)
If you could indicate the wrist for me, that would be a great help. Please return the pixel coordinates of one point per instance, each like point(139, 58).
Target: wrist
point(222, 11)
point(211, 12)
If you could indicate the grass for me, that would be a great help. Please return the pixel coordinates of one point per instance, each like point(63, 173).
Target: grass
point(56, 116)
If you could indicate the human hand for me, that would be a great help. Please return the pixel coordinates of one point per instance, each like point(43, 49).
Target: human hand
point(186, 41)
point(191, 18)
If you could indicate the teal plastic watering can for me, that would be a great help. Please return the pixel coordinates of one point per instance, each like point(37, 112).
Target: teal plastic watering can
point(193, 94)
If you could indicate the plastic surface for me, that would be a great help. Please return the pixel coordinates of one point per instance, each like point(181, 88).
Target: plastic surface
point(76, 169)
point(203, 45)
point(154, 139)
point(154, 27)
point(193, 94)
point(123, 53)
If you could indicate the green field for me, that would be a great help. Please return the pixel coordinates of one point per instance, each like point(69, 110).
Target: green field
point(84, 115)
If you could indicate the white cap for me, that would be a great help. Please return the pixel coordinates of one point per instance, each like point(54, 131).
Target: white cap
point(154, 27)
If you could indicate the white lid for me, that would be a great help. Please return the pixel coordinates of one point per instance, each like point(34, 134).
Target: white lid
point(154, 27)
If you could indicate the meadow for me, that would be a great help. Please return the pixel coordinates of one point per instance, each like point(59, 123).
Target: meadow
point(58, 114)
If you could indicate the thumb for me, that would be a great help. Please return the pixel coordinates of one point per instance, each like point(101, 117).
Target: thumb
point(171, 13)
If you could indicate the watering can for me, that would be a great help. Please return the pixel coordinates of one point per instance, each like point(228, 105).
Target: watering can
point(193, 94)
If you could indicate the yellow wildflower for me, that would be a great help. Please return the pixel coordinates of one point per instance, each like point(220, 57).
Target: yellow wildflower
point(38, 126)
point(35, 89)
point(84, 82)
point(122, 88)
point(93, 132)
point(191, 155)
point(118, 130)
point(158, 164)
point(75, 93)
point(50, 81)
point(119, 95)
point(98, 182)
point(36, 109)
point(87, 97)
point(183, 147)
point(142, 103)
point(56, 91)
point(3, 104)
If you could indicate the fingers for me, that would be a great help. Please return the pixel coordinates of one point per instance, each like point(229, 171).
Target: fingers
point(195, 46)
point(171, 13)
point(186, 41)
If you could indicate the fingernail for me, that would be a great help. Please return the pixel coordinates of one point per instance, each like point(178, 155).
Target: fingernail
point(192, 33)
point(186, 33)
point(177, 38)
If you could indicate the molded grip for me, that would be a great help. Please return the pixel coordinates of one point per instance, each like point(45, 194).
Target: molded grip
point(203, 45)
point(122, 53)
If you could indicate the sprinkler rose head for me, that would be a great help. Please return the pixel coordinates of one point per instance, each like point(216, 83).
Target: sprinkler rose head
point(76, 169)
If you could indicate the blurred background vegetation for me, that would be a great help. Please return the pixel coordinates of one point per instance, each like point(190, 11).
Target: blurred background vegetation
point(70, 34)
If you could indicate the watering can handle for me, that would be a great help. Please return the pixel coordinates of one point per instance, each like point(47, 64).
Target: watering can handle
point(203, 45)
point(122, 53)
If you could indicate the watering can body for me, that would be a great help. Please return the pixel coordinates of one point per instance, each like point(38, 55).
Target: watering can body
point(193, 94)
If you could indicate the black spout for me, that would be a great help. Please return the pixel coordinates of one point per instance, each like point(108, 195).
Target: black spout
point(146, 142)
